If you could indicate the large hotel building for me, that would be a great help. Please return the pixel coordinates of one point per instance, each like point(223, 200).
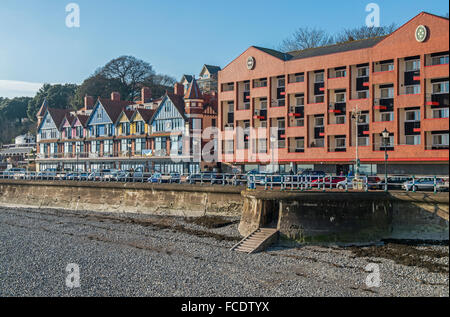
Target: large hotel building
point(331, 104)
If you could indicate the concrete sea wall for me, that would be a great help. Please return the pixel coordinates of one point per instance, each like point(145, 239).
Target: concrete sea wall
point(160, 199)
point(347, 217)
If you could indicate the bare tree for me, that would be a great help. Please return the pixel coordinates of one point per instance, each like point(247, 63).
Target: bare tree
point(129, 70)
point(363, 32)
point(305, 37)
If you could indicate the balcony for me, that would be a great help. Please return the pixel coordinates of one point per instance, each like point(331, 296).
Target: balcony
point(260, 114)
point(412, 128)
point(384, 104)
point(297, 111)
point(437, 100)
point(337, 108)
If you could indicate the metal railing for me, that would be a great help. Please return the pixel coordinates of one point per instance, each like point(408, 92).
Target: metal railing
point(322, 182)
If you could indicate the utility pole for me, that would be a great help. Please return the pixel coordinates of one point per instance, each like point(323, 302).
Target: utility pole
point(356, 113)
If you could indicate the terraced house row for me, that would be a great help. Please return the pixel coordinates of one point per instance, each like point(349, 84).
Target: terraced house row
point(119, 134)
point(327, 103)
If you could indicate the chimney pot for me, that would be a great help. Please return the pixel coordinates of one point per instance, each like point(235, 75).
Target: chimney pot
point(146, 94)
point(178, 89)
point(115, 96)
point(88, 102)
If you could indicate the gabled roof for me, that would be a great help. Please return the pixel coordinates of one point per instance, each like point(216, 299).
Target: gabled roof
point(69, 118)
point(114, 107)
point(336, 48)
point(187, 77)
point(274, 53)
point(43, 108)
point(211, 69)
point(324, 50)
point(178, 102)
point(146, 114)
point(82, 118)
point(193, 92)
point(128, 114)
point(58, 115)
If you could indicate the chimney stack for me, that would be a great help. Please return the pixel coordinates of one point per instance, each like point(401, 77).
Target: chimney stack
point(146, 94)
point(178, 89)
point(88, 102)
point(115, 96)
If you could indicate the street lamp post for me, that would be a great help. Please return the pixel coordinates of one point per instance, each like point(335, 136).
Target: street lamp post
point(356, 113)
point(385, 135)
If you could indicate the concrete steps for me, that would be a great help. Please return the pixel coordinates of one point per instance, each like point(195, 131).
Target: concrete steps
point(258, 240)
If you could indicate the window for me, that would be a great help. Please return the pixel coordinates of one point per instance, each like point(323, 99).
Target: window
point(262, 146)
point(340, 143)
point(439, 60)
point(412, 115)
point(340, 97)
point(341, 73)
point(387, 116)
point(299, 144)
point(299, 78)
point(246, 86)
point(387, 93)
point(363, 141)
point(412, 90)
point(226, 87)
point(319, 99)
point(318, 121)
point(263, 104)
point(440, 113)
point(260, 83)
point(318, 77)
point(413, 139)
point(299, 122)
point(340, 119)
point(440, 140)
point(300, 101)
point(440, 88)
point(386, 67)
point(364, 94)
point(363, 119)
point(363, 71)
point(230, 106)
point(318, 143)
point(412, 65)
point(281, 82)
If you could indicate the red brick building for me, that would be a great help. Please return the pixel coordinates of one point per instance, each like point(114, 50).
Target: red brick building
point(397, 82)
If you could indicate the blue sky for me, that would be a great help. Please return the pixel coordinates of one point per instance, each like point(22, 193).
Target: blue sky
point(176, 37)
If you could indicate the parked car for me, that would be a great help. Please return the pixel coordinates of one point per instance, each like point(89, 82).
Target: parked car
point(15, 173)
point(206, 177)
point(374, 182)
point(395, 181)
point(95, 176)
point(427, 184)
point(168, 178)
point(310, 175)
point(49, 173)
point(137, 175)
point(76, 176)
point(236, 179)
point(330, 181)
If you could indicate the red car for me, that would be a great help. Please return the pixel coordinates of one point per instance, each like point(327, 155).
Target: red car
point(329, 183)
